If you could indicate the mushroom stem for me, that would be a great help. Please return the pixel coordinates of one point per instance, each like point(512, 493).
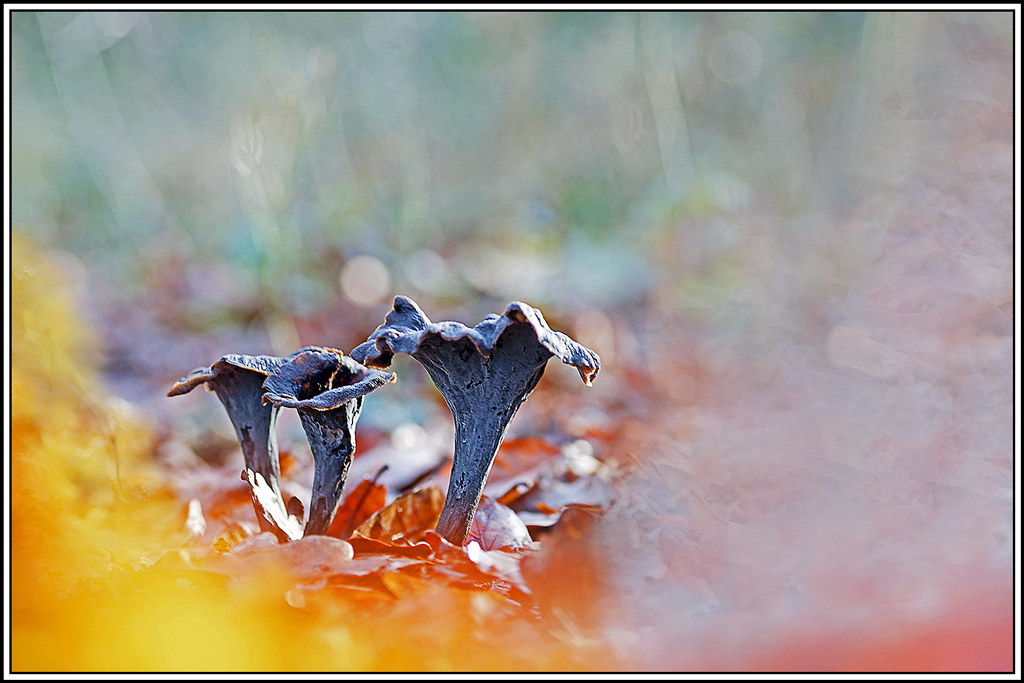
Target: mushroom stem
point(332, 447)
point(254, 424)
point(476, 444)
point(484, 393)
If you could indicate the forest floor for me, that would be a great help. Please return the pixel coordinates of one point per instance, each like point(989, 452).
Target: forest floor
point(831, 488)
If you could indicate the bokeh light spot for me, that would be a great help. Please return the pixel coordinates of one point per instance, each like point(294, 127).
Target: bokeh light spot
point(365, 280)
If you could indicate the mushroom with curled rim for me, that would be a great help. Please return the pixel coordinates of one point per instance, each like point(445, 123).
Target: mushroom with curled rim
point(238, 382)
point(484, 374)
point(326, 388)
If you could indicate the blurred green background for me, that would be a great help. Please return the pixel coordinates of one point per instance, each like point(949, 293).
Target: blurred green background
point(741, 185)
point(590, 158)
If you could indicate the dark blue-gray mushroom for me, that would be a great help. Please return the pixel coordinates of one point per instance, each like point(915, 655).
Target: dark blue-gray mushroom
point(484, 374)
point(238, 382)
point(326, 388)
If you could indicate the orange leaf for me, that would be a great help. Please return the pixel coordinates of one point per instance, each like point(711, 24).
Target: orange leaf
point(496, 526)
point(522, 454)
point(545, 508)
point(227, 501)
point(406, 520)
point(513, 493)
point(369, 546)
point(365, 499)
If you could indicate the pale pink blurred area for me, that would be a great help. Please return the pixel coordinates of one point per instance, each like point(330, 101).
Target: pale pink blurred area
point(841, 497)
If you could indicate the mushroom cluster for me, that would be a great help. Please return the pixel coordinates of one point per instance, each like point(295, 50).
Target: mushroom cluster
point(324, 386)
point(485, 373)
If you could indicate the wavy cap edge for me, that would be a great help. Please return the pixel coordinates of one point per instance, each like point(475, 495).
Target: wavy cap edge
point(364, 380)
point(406, 327)
point(263, 364)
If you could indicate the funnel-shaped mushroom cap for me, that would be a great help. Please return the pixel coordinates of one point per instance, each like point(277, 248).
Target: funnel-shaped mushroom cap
point(406, 326)
point(327, 389)
point(484, 374)
point(238, 382)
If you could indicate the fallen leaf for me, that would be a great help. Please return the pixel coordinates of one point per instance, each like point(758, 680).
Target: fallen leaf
point(288, 462)
point(538, 520)
point(519, 462)
point(310, 557)
point(522, 454)
point(405, 585)
point(545, 516)
point(545, 508)
point(406, 519)
point(266, 539)
point(269, 504)
point(365, 499)
point(295, 508)
point(405, 459)
point(314, 554)
point(225, 500)
point(495, 526)
point(513, 493)
point(363, 545)
point(570, 572)
point(552, 493)
point(497, 563)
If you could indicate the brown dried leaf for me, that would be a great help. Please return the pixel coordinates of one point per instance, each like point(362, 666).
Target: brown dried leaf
point(310, 557)
point(522, 454)
point(501, 564)
point(546, 517)
point(406, 520)
point(519, 461)
point(295, 508)
point(472, 567)
point(551, 494)
point(266, 539)
point(315, 555)
point(269, 505)
point(228, 500)
point(513, 493)
point(288, 462)
point(363, 546)
point(496, 526)
point(365, 499)
point(403, 461)
point(570, 572)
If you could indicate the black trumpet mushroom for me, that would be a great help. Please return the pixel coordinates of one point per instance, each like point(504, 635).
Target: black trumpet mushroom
point(326, 388)
point(238, 382)
point(484, 374)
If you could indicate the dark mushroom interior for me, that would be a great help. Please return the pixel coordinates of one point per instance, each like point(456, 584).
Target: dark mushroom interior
point(326, 388)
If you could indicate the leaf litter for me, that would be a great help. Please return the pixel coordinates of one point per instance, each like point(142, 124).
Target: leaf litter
point(388, 551)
